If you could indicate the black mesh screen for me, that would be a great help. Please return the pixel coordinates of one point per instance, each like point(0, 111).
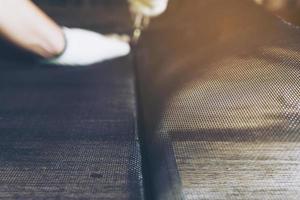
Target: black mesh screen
point(105, 16)
point(219, 94)
point(218, 85)
point(68, 132)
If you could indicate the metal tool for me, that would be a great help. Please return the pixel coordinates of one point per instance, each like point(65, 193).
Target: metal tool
point(140, 23)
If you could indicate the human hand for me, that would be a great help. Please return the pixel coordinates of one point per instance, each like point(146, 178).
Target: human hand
point(85, 47)
point(149, 8)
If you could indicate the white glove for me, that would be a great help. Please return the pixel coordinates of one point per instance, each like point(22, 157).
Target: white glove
point(149, 8)
point(85, 47)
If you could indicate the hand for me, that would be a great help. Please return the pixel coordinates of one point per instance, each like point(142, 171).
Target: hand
point(85, 47)
point(149, 8)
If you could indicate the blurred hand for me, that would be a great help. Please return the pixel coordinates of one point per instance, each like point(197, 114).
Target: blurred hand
point(85, 47)
point(149, 8)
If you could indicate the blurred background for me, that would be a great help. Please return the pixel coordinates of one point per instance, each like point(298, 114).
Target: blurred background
point(287, 9)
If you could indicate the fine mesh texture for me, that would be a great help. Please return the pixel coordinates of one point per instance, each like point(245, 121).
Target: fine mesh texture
point(219, 89)
point(105, 16)
point(68, 133)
